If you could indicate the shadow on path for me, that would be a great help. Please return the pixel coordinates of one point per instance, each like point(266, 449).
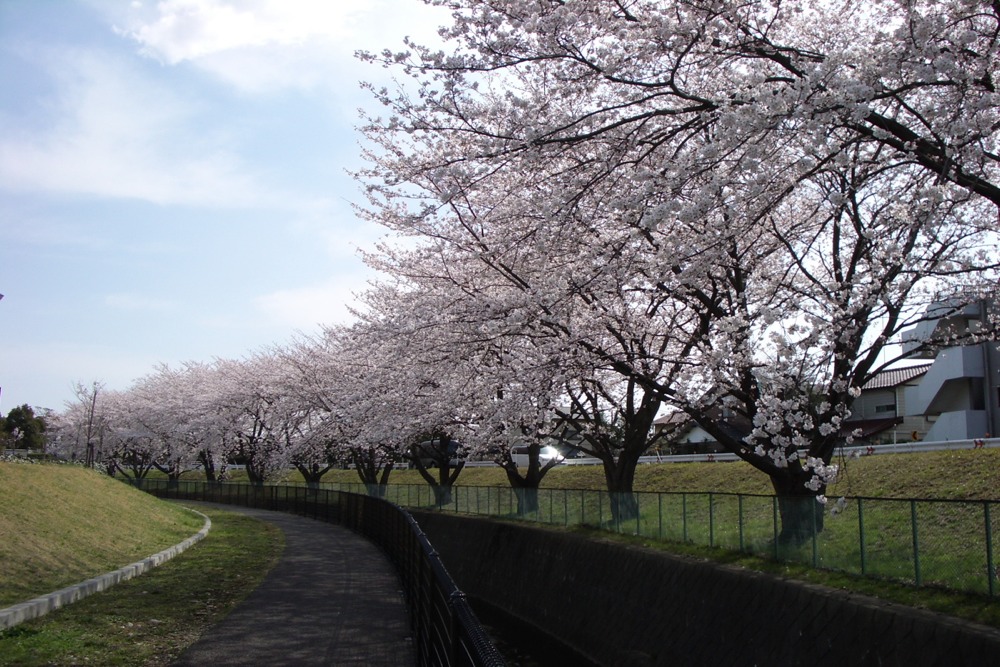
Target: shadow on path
point(332, 599)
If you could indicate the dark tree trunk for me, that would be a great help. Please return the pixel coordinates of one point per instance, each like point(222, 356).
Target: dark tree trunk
point(312, 474)
point(619, 476)
point(173, 472)
point(801, 514)
point(442, 486)
point(211, 474)
point(255, 477)
point(373, 475)
point(447, 474)
point(619, 449)
point(525, 486)
point(527, 499)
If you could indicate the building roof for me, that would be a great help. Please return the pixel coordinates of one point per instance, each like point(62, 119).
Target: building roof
point(675, 418)
point(893, 377)
point(868, 427)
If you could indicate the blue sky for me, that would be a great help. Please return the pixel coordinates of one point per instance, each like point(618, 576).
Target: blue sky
point(173, 179)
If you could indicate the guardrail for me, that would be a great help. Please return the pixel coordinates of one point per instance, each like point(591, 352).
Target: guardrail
point(446, 630)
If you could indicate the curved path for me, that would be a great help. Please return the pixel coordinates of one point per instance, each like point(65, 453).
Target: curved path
point(332, 599)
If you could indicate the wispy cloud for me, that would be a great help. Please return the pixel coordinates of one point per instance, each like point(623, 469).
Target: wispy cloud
point(115, 133)
point(306, 307)
point(262, 46)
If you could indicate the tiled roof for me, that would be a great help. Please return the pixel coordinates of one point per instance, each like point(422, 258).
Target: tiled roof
point(672, 418)
point(893, 377)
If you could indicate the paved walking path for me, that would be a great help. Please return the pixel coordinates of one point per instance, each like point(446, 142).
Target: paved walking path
point(333, 599)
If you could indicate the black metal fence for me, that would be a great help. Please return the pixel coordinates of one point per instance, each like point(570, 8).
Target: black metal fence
point(446, 630)
point(939, 543)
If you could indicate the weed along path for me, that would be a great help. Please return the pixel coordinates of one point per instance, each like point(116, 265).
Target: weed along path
point(332, 599)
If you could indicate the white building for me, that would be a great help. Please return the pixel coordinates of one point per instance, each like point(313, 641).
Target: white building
point(880, 415)
point(960, 392)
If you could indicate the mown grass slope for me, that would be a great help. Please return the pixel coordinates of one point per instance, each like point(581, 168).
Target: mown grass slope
point(963, 474)
point(148, 621)
point(62, 524)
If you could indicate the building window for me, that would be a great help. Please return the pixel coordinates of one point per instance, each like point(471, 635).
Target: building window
point(881, 409)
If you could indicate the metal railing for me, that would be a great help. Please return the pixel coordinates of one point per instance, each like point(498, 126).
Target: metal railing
point(942, 543)
point(446, 630)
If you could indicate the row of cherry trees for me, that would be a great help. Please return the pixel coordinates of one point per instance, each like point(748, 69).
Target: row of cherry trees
point(726, 209)
point(370, 395)
point(613, 209)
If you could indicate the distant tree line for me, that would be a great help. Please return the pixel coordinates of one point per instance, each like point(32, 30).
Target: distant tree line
point(23, 429)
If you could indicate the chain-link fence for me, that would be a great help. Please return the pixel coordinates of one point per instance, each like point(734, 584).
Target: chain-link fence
point(944, 543)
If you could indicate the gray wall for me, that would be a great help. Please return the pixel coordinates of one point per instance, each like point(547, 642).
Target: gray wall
point(623, 606)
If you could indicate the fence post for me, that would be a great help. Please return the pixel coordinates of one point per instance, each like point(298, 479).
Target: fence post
point(815, 536)
point(739, 500)
point(774, 526)
point(916, 542)
point(861, 536)
point(991, 570)
point(711, 519)
point(660, 514)
point(684, 515)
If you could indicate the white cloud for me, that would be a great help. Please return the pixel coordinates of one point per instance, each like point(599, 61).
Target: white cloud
point(116, 134)
point(266, 45)
point(192, 29)
point(306, 307)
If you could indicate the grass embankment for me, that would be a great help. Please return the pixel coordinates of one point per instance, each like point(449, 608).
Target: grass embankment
point(145, 621)
point(63, 524)
point(148, 621)
point(961, 475)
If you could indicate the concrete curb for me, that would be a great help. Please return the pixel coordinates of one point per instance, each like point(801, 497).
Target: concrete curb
point(40, 606)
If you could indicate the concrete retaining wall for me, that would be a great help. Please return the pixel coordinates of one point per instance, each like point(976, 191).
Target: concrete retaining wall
point(621, 605)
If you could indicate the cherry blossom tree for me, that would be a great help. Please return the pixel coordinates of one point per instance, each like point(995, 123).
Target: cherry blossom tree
point(128, 446)
point(321, 380)
point(419, 387)
point(256, 413)
point(523, 368)
point(199, 422)
point(729, 208)
point(174, 404)
point(337, 378)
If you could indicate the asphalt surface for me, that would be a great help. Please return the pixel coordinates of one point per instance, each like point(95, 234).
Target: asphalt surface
point(332, 599)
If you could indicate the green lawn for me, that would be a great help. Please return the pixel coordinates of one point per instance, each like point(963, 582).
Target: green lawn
point(963, 475)
point(62, 524)
point(147, 621)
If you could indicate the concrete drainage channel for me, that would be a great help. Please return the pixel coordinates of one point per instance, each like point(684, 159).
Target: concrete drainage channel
point(25, 611)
